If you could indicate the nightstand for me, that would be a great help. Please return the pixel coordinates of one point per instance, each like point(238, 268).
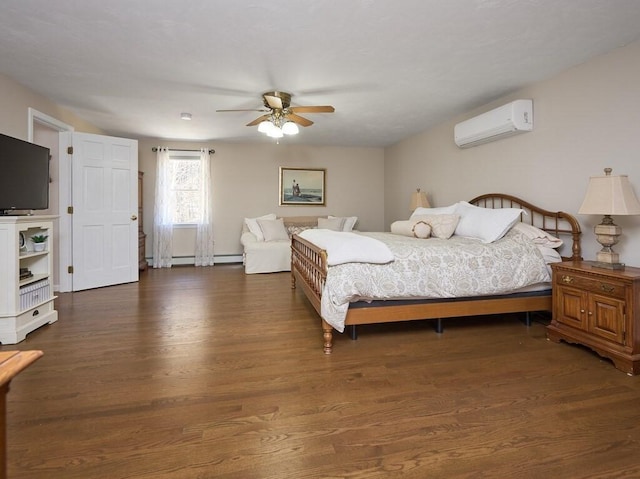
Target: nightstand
point(600, 309)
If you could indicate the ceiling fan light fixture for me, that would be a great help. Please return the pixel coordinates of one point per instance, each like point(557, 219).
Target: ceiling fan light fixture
point(281, 118)
point(290, 128)
point(275, 132)
point(265, 126)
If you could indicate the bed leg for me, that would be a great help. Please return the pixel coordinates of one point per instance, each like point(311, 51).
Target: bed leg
point(439, 328)
point(527, 318)
point(293, 280)
point(353, 331)
point(327, 333)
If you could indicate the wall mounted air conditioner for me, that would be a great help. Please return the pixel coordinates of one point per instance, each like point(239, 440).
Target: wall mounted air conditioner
point(510, 119)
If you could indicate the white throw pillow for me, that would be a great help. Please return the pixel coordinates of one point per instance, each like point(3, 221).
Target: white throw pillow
point(252, 224)
point(349, 222)
point(486, 224)
point(273, 230)
point(334, 223)
point(443, 210)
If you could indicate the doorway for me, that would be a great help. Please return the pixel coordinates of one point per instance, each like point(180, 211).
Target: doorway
point(117, 194)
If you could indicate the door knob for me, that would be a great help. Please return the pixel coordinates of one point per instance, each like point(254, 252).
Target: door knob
point(134, 217)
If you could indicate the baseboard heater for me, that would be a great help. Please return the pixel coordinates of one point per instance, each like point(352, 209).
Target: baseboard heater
point(191, 260)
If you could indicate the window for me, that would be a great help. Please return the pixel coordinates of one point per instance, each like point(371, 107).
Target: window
point(186, 187)
point(182, 197)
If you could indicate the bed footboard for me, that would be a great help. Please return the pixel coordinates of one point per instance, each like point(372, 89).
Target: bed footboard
point(309, 269)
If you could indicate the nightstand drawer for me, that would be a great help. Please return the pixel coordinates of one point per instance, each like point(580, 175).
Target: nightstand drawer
point(602, 286)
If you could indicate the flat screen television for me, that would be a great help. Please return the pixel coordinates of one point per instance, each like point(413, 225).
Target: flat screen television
point(24, 176)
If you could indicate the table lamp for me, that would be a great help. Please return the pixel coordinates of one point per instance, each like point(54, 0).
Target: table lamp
point(609, 195)
point(419, 198)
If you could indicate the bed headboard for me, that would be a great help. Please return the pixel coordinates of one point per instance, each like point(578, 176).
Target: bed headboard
point(557, 223)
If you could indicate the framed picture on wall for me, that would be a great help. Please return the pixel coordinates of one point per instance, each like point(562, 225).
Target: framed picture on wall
point(302, 186)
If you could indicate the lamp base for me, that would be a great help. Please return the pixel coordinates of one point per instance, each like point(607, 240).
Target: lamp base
point(607, 234)
point(603, 265)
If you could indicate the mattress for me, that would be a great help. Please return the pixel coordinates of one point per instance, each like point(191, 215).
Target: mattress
point(435, 268)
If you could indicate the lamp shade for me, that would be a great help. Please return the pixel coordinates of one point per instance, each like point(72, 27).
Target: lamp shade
point(610, 195)
point(419, 198)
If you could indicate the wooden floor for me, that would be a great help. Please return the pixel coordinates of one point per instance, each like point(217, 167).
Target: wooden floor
point(208, 373)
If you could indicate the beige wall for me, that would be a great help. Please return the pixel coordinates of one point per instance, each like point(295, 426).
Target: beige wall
point(585, 119)
point(245, 177)
point(245, 184)
point(15, 101)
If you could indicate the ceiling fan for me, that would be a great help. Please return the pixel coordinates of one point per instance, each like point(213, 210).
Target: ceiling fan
point(280, 117)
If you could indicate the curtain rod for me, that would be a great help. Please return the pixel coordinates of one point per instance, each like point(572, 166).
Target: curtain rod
point(155, 148)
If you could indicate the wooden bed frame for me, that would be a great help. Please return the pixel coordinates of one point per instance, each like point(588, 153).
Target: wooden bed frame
point(309, 269)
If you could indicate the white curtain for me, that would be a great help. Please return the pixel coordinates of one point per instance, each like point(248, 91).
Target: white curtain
point(204, 232)
point(163, 213)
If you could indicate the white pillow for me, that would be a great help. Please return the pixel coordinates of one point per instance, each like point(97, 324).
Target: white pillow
point(252, 224)
point(443, 210)
point(273, 230)
point(335, 224)
point(486, 224)
point(538, 236)
point(349, 222)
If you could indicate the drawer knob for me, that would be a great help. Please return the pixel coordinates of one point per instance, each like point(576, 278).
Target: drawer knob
point(607, 288)
point(567, 279)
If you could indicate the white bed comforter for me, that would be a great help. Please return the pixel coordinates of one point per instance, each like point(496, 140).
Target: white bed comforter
point(434, 268)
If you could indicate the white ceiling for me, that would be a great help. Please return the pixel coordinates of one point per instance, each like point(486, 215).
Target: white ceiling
point(390, 68)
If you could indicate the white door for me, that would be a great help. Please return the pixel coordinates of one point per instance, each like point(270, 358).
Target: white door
point(104, 173)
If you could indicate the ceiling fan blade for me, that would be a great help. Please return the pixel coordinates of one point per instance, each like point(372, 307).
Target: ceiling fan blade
point(273, 101)
point(313, 109)
point(251, 109)
point(258, 120)
point(298, 119)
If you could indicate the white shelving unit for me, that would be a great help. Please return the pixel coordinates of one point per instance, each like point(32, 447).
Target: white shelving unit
point(25, 303)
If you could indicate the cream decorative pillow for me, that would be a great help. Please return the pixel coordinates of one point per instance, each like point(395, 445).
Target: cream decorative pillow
point(349, 222)
point(413, 228)
point(334, 223)
point(421, 229)
point(486, 224)
point(252, 225)
point(273, 230)
point(442, 226)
